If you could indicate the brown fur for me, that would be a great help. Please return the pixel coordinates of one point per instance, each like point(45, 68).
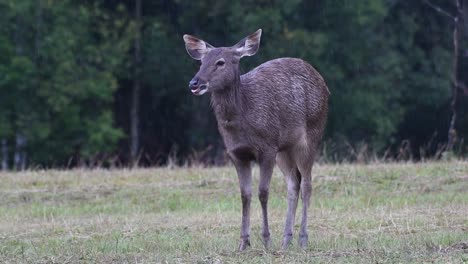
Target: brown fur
point(275, 113)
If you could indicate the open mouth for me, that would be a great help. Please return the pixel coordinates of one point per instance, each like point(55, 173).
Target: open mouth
point(200, 90)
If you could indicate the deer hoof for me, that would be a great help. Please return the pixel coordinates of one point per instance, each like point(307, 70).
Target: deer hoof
point(303, 241)
point(267, 242)
point(286, 242)
point(244, 244)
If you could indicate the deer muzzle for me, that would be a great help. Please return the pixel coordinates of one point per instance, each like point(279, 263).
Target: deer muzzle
point(197, 87)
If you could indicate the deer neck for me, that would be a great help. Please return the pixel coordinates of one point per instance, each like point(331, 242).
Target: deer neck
point(228, 103)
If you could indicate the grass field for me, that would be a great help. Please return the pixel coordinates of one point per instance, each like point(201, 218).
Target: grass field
point(380, 213)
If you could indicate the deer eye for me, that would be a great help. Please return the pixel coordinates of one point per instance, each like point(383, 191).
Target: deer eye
point(220, 62)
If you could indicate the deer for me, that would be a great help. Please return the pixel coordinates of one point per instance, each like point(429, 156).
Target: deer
point(273, 114)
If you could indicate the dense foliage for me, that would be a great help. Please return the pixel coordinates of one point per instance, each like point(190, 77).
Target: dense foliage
point(67, 73)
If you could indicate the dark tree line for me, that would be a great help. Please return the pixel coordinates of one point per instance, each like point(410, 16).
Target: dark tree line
point(105, 81)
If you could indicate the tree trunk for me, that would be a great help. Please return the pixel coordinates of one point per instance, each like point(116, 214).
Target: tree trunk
point(20, 152)
point(452, 133)
point(135, 105)
point(4, 155)
point(464, 15)
point(19, 162)
point(38, 34)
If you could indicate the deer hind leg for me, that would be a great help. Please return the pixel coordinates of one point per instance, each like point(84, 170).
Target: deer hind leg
point(304, 161)
point(293, 180)
point(244, 173)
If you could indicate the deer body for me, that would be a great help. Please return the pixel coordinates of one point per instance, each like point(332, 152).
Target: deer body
point(273, 108)
point(275, 113)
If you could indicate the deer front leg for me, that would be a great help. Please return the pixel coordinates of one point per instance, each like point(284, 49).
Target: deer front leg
point(266, 170)
point(244, 174)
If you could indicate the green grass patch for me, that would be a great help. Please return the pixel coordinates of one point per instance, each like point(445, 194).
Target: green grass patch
point(377, 213)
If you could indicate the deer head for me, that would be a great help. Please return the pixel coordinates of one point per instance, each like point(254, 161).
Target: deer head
point(219, 67)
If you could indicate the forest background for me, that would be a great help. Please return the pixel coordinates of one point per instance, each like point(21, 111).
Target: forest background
point(105, 82)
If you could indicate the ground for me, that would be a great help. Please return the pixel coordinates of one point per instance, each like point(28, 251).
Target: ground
point(377, 213)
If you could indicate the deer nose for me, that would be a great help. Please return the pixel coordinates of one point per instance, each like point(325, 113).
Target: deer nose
point(193, 84)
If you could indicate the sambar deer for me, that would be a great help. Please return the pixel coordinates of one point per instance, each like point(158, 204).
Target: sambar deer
point(275, 112)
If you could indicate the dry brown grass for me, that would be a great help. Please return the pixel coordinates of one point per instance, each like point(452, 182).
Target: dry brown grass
point(377, 213)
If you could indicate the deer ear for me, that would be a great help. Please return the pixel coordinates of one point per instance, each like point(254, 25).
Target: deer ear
point(195, 47)
point(249, 45)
